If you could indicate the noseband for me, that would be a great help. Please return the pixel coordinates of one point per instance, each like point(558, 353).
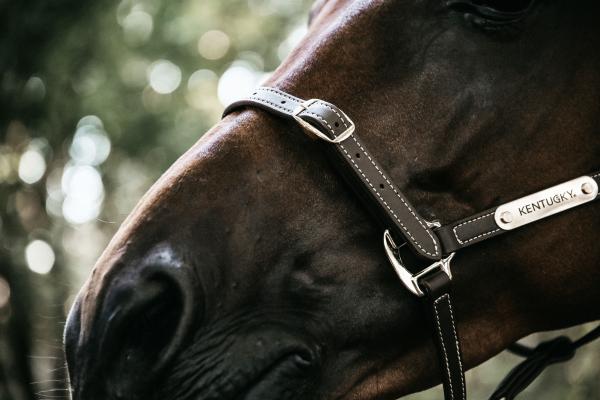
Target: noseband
point(422, 260)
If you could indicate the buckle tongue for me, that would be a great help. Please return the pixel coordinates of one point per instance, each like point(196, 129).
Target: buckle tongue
point(311, 129)
point(408, 279)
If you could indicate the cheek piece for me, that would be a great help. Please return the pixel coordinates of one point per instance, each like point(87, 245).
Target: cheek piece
point(421, 251)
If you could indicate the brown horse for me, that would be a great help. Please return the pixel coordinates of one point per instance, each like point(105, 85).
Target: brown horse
point(251, 271)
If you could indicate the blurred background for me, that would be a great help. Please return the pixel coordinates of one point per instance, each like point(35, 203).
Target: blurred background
point(97, 99)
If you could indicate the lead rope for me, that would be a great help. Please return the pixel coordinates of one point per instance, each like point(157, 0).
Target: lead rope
point(374, 186)
point(537, 359)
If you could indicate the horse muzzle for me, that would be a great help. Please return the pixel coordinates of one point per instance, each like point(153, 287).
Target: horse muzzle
point(140, 321)
point(148, 338)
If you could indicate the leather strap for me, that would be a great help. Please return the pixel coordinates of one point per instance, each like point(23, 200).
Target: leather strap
point(355, 163)
point(370, 181)
point(439, 303)
point(478, 227)
point(468, 231)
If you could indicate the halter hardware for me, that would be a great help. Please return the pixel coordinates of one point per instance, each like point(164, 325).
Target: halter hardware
point(311, 129)
point(430, 240)
point(408, 279)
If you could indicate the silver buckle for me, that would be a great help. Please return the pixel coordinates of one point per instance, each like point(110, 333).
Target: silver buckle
point(409, 280)
point(311, 129)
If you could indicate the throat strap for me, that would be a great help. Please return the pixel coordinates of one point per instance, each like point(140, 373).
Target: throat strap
point(520, 212)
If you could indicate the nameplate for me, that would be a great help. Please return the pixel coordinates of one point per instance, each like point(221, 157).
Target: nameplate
point(546, 203)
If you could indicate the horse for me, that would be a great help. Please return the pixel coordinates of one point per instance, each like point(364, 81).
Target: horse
point(250, 269)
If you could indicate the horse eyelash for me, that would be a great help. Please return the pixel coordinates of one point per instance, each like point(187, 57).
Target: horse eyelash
point(487, 17)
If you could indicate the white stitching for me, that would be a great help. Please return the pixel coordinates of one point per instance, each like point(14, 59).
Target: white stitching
point(398, 194)
point(439, 327)
point(261, 100)
point(469, 222)
point(287, 109)
point(458, 354)
point(285, 95)
point(322, 103)
point(481, 235)
point(386, 204)
point(280, 93)
point(455, 337)
point(321, 118)
point(462, 382)
point(336, 113)
point(481, 217)
point(389, 184)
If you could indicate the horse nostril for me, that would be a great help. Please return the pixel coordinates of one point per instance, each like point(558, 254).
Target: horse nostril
point(144, 326)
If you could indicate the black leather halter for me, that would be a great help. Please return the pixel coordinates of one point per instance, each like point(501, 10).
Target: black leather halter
point(432, 244)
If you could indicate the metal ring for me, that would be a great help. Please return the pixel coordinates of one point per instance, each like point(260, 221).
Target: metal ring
point(408, 279)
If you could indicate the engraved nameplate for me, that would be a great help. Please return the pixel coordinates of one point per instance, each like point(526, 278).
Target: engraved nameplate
point(547, 202)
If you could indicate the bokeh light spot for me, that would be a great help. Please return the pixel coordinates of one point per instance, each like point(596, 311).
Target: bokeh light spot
point(269, 7)
point(92, 120)
point(40, 257)
point(198, 78)
point(84, 193)
point(4, 292)
point(202, 89)
point(35, 89)
point(32, 166)
point(133, 72)
point(237, 82)
point(213, 45)
point(292, 40)
point(9, 164)
point(137, 27)
point(164, 76)
point(90, 145)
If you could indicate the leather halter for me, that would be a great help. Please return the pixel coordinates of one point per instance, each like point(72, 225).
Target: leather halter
point(431, 244)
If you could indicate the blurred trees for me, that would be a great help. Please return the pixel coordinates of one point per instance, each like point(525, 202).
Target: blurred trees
point(29, 29)
point(98, 98)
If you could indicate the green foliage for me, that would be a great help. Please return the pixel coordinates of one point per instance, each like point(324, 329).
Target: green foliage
point(98, 99)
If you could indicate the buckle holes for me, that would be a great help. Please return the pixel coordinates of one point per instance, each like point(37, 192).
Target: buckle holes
point(382, 186)
point(283, 101)
point(254, 94)
point(357, 155)
point(337, 124)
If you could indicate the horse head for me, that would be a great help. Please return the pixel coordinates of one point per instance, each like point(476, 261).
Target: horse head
point(250, 270)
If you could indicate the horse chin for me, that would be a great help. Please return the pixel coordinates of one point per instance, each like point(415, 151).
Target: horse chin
point(257, 365)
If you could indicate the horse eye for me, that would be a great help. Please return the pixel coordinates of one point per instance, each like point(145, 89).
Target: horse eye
point(492, 14)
